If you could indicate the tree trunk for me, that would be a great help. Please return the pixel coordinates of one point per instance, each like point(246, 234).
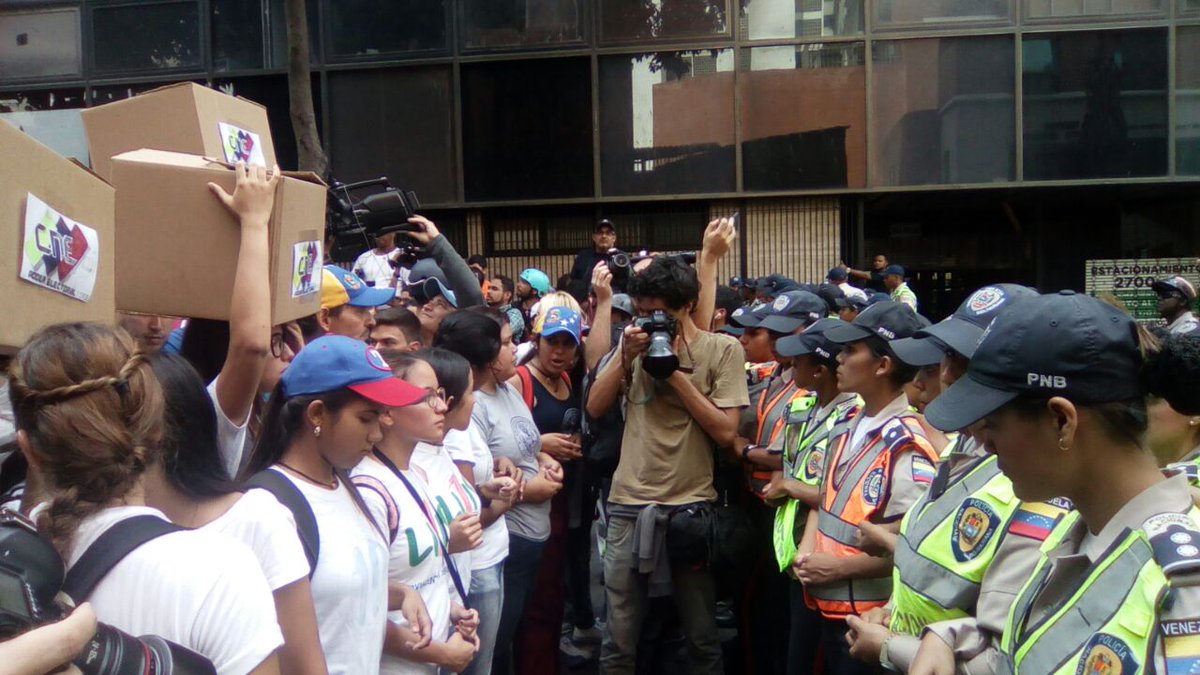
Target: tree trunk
point(304, 118)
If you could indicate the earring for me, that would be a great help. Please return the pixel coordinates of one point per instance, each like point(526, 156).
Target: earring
point(1062, 444)
point(317, 431)
point(1193, 422)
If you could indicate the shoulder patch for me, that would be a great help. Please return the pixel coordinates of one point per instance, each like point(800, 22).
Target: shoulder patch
point(1106, 654)
point(974, 527)
point(894, 432)
point(1035, 520)
point(922, 470)
point(872, 487)
point(1181, 645)
point(1176, 542)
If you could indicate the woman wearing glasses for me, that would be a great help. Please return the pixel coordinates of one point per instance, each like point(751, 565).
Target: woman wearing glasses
point(398, 494)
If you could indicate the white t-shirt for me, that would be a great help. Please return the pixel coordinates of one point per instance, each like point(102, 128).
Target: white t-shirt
point(231, 437)
point(349, 587)
point(416, 555)
point(200, 589)
point(470, 446)
point(260, 522)
point(375, 269)
point(451, 494)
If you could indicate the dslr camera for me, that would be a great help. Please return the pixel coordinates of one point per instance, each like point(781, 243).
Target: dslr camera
point(354, 218)
point(31, 575)
point(660, 359)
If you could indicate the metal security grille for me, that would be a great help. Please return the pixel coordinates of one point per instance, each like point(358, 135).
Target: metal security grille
point(799, 238)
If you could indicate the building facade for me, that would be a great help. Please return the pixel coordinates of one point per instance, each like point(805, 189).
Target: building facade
point(969, 140)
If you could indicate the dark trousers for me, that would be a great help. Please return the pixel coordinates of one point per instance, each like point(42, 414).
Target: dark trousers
point(520, 574)
point(804, 636)
point(536, 651)
point(837, 651)
point(579, 553)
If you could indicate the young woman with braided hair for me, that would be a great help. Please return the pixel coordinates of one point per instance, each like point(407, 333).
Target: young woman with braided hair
point(89, 416)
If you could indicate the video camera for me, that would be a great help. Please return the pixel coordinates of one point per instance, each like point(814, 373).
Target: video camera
point(660, 359)
point(31, 575)
point(354, 223)
point(620, 264)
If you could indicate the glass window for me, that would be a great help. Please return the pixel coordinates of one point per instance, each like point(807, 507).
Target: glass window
point(395, 123)
point(781, 19)
point(512, 151)
point(272, 92)
point(146, 37)
point(366, 28)
point(628, 20)
point(1095, 104)
point(1189, 6)
point(42, 43)
point(804, 116)
point(1056, 9)
point(522, 23)
point(252, 34)
point(666, 123)
point(943, 111)
point(120, 92)
point(49, 115)
point(1187, 100)
point(941, 13)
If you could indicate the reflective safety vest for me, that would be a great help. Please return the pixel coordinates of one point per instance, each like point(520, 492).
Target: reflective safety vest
point(804, 451)
point(1190, 469)
point(771, 413)
point(946, 544)
point(854, 499)
point(1111, 621)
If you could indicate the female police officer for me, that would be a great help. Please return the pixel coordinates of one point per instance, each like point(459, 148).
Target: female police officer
point(1060, 383)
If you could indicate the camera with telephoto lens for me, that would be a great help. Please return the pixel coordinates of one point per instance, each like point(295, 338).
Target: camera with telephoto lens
point(355, 221)
point(620, 264)
point(31, 575)
point(660, 359)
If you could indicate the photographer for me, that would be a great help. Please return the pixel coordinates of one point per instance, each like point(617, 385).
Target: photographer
point(604, 239)
point(666, 463)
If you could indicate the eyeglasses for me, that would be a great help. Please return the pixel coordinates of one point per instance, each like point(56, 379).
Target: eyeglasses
point(278, 340)
point(433, 397)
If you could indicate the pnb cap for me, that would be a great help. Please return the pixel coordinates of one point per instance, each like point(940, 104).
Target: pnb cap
point(1064, 344)
point(623, 303)
point(837, 274)
point(856, 301)
point(336, 362)
point(885, 320)
point(538, 280)
point(812, 341)
point(793, 310)
point(341, 287)
point(746, 318)
point(893, 269)
point(960, 331)
point(1175, 286)
point(730, 329)
point(559, 320)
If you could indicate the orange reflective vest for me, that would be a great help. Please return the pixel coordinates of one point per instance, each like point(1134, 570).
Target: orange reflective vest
point(860, 495)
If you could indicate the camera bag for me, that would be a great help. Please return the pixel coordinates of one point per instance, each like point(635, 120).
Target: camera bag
point(291, 497)
point(109, 549)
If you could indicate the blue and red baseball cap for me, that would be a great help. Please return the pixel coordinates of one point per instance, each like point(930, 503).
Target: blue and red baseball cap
point(560, 320)
point(334, 362)
point(342, 287)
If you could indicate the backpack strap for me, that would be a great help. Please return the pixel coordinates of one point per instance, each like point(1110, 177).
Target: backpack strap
point(109, 549)
point(290, 496)
point(526, 385)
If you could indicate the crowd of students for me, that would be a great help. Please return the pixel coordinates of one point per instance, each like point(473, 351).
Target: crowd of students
point(401, 484)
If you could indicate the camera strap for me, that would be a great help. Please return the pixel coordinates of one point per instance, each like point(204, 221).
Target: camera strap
point(458, 584)
point(109, 549)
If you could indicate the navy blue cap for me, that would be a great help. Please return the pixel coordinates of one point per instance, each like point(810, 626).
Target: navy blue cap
point(1065, 344)
point(734, 282)
point(876, 298)
point(893, 269)
point(838, 274)
point(792, 311)
point(744, 317)
point(730, 329)
point(812, 341)
point(856, 301)
point(885, 320)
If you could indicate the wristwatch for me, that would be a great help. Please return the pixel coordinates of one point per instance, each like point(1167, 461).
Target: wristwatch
point(746, 451)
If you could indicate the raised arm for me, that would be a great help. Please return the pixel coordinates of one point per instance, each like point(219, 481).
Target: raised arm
point(718, 239)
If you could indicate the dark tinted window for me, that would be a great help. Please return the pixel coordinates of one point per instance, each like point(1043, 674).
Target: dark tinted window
point(666, 122)
point(1187, 100)
point(527, 129)
point(249, 34)
point(631, 20)
point(395, 123)
point(522, 23)
point(365, 28)
point(1094, 9)
point(1095, 104)
point(146, 37)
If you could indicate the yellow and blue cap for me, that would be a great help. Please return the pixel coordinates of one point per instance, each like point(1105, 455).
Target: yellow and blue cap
point(342, 287)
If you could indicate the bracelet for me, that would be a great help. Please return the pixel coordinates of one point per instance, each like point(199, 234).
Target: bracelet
point(746, 452)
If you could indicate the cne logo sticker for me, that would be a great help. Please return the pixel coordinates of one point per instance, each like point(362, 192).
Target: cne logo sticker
point(974, 527)
point(240, 145)
point(306, 259)
point(985, 300)
point(59, 254)
point(1105, 654)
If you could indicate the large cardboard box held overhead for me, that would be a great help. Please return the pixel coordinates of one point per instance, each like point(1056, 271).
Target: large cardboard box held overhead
point(183, 117)
point(56, 241)
point(177, 245)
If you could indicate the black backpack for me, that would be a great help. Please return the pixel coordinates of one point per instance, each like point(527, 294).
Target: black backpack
point(601, 435)
point(290, 496)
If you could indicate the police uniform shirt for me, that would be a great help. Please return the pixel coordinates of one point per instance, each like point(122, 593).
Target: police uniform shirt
point(905, 295)
point(1184, 324)
point(976, 640)
point(905, 489)
point(1179, 616)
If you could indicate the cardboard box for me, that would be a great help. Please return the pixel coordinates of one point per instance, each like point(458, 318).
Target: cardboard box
point(183, 117)
point(62, 271)
point(177, 245)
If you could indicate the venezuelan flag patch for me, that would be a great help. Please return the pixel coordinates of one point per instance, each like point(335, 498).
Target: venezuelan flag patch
point(922, 470)
point(1035, 520)
point(1181, 646)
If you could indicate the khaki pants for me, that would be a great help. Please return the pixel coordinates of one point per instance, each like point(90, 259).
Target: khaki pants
point(626, 593)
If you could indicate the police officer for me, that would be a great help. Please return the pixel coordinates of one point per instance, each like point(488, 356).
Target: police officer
point(811, 421)
point(1060, 384)
point(957, 564)
point(876, 470)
